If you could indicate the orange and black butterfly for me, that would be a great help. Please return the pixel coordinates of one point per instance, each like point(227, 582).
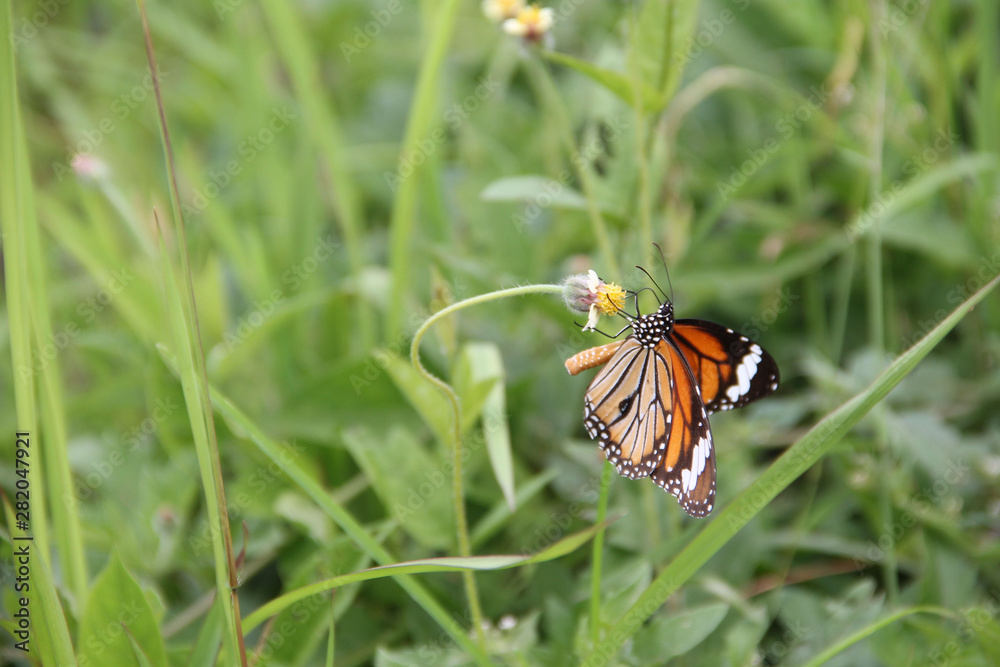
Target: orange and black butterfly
point(648, 407)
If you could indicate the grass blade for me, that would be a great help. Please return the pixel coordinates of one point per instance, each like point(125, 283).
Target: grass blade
point(284, 458)
point(418, 130)
point(424, 566)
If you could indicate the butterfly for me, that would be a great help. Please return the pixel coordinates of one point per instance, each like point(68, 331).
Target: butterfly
point(648, 406)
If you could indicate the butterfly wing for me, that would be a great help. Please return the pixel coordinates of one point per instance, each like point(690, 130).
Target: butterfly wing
point(687, 470)
point(729, 369)
point(627, 409)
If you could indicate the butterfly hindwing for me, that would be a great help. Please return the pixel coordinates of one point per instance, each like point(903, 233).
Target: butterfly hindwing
point(627, 409)
point(730, 369)
point(688, 468)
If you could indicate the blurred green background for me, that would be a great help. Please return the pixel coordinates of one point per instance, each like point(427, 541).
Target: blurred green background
point(821, 176)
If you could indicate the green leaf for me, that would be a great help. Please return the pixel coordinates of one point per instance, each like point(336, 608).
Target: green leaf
point(279, 456)
point(870, 629)
point(423, 566)
point(203, 652)
point(492, 522)
point(483, 368)
point(474, 382)
point(411, 483)
point(657, 54)
point(670, 636)
point(793, 463)
point(116, 604)
point(425, 398)
point(616, 82)
point(536, 189)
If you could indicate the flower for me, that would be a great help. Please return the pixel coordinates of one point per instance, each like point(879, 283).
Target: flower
point(89, 168)
point(532, 23)
point(589, 294)
point(499, 11)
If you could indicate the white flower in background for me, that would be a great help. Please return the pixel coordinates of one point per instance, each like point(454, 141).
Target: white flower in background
point(532, 23)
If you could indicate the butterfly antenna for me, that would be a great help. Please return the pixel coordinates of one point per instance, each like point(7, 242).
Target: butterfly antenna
point(654, 282)
point(666, 271)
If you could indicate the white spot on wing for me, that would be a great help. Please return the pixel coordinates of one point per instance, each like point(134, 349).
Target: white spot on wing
point(744, 379)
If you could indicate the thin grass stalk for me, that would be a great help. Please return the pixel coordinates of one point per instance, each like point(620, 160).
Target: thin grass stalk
point(462, 527)
point(874, 274)
point(643, 147)
point(17, 221)
point(870, 629)
point(597, 556)
point(540, 77)
point(323, 123)
point(68, 535)
point(987, 96)
point(418, 128)
point(336, 511)
point(197, 386)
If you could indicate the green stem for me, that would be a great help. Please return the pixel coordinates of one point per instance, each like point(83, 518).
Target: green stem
point(464, 549)
point(542, 80)
point(876, 299)
point(595, 574)
point(418, 130)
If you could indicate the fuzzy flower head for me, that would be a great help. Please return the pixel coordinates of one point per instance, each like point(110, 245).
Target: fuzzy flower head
point(589, 294)
point(499, 11)
point(532, 23)
point(89, 168)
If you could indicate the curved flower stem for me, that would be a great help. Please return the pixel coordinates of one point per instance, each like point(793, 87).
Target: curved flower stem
point(464, 549)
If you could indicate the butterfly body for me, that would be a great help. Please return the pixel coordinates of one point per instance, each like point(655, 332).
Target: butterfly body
point(648, 406)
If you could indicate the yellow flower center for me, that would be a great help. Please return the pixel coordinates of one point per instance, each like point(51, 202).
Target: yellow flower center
point(610, 298)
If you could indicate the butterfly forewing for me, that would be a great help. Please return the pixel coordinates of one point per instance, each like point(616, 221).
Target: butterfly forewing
point(688, 468)
point(730, 369)
point(627, 409)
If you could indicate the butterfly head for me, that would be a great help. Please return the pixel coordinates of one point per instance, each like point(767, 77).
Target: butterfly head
point(651, 329)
